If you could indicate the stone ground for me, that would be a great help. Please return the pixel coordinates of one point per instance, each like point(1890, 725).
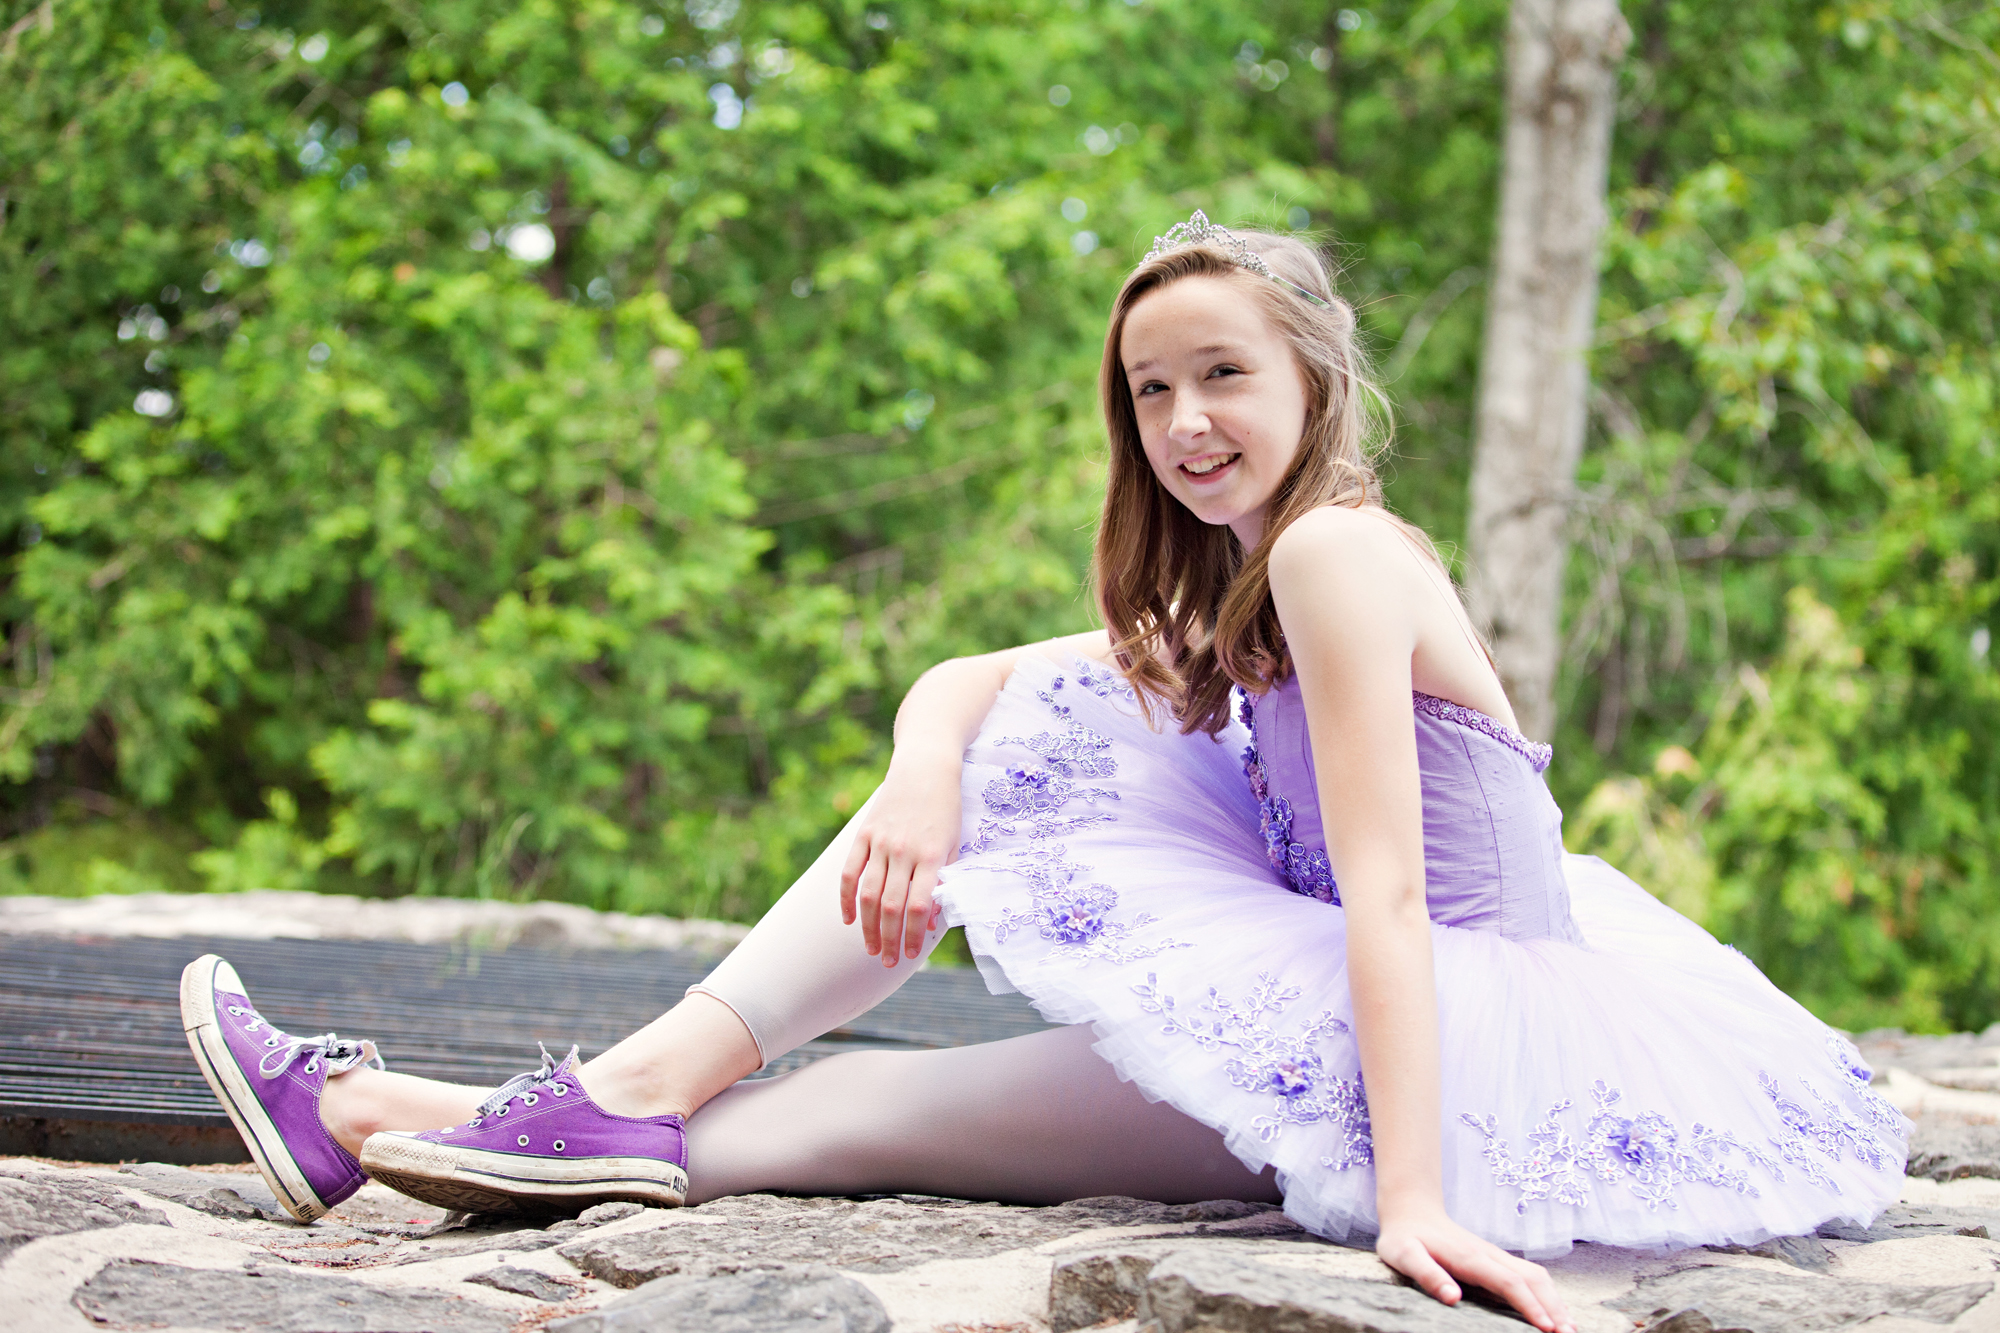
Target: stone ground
point(91, 1246)
point(86, 1246)
point(269, 914)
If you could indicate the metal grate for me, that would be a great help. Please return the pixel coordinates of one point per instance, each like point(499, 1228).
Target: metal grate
point(90, 1030)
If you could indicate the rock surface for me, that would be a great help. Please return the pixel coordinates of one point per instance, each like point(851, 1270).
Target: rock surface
point(33, 1208)
point(241, 1196)
point(84, 1246)
point(788, 1299)
point(267, 914)
point(146, 1245)
point(1968, 1060)
point(525, 1282)
point(1950, 1148)
point(883, 1235)
point(1190, 1291)
point(1806, 1252)
point(1764, 1302)
point(1902, 1220)
point(139, 1293)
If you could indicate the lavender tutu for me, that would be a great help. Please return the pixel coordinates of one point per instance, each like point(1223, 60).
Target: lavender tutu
point(1611, 1073)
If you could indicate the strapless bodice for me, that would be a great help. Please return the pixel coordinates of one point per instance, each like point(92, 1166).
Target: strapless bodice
point(1492, 833)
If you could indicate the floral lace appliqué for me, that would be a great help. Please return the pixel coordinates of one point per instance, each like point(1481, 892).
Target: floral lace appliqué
point(1305, 869)
point(1074, 916)
point(1286, 1067)
point(1029, 801)
point(1538, 755)
point(1803, 1138)
point(1859, 1079)
point(1647, 1153)
point(1651, 1156)
point(1104, 682)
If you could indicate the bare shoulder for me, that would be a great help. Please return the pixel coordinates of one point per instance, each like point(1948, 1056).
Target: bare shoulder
point(1094, 644)
point(1337, 547)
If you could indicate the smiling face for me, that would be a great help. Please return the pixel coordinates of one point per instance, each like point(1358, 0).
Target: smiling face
point(1218, 397)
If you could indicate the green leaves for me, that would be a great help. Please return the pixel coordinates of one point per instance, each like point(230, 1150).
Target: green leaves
point(1799, 374)
point(574, 425)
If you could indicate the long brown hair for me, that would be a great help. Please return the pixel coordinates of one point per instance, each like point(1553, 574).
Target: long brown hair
point(1190, 611)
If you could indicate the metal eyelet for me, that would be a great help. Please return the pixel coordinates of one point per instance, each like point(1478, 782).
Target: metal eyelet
point(557, 1145)
point(501, 1111)
point(472, 1123)
point(523, 1140)
point(560, 1089)
point(529, 1099)
point(236, 1011)
point(312, 1067)
point(270, 1041)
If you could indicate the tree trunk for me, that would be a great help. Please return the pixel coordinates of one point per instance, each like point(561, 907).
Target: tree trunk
point(1562, 58)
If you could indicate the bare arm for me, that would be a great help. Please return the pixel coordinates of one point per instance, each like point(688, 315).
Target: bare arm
point(942, 712)
point(912, 829)
point(1355, 620)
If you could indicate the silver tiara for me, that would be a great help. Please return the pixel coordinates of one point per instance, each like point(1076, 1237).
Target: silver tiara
point(1198, 230)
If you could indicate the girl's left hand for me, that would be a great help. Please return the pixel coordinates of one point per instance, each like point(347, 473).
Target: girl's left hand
point(1438, 1254)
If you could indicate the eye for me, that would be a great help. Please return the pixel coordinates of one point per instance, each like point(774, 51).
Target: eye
point(1149, 388)
point(1224, 369)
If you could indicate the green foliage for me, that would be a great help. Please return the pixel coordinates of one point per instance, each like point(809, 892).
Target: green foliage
point(116, 851)
point(1798, 394)
point(527, 449)
point(572, 426)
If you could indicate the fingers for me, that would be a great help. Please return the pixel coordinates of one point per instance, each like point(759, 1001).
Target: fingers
point(919, 910)
point(1440, 1263)
point(888, 887)
point(895, 894)
point(1543, 1289)
point(868, 901)
point(850, 876)
point(1525, 1286)
point(1414, 1262)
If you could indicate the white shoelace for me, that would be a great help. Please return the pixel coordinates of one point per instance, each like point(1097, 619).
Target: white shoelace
point(525, 1085)
point(339, 1054)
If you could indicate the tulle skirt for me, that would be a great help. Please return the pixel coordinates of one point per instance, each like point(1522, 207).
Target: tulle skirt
point(1647, 1088)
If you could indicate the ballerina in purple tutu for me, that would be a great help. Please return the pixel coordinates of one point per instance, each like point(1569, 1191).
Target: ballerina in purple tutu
point(1269, 847)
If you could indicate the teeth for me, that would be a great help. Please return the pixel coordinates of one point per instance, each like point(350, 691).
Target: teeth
point(1202, 470)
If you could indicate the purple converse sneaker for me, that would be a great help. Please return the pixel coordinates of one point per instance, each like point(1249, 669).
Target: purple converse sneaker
point(537, 1144)
point(270, 1084)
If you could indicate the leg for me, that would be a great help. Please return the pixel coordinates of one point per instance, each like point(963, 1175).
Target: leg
point(363, 1100)
point(1036, 1119)
point(799, 973)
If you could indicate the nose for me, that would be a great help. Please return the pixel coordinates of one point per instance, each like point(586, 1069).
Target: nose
point(1190, 420)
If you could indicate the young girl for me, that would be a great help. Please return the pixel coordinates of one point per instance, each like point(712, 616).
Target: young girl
point(1271, 848)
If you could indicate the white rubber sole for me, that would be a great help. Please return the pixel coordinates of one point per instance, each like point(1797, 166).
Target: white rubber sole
point(474, 1180)
point(199, 982)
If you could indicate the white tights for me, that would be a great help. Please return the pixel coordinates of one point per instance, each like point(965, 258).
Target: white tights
point(1034, 1119)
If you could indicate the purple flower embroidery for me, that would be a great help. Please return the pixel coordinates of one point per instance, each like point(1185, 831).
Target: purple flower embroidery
point(1291, 1075)
point(1537, 755)
point(1076, 918)
point(1104, 682)
point(1646, 1152)
point(1836, 1132)
point(1305, 869)
point(1285, 1066)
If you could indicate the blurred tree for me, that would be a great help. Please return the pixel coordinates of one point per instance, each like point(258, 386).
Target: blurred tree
point(1534, 380)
